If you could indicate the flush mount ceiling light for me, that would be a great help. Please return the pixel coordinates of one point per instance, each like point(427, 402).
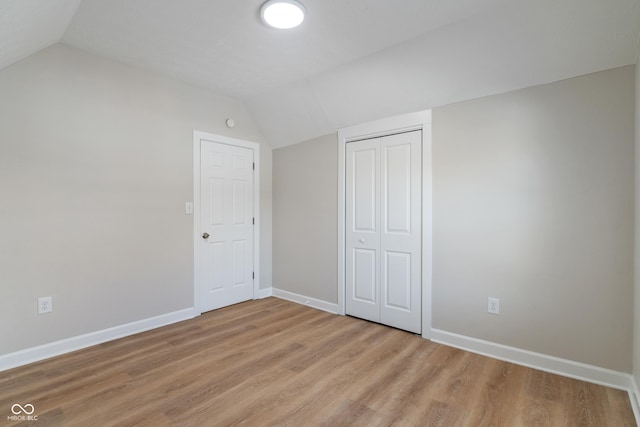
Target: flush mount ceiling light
point(282, 14)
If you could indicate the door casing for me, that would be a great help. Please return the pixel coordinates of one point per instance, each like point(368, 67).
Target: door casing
point(197, 137)
point(404, 123)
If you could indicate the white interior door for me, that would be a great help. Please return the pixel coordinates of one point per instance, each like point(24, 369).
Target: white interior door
point(226, 225)
point(383, 230)
point(363, 229)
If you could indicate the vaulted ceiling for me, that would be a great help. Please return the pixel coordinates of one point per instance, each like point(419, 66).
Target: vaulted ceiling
point(351, 60)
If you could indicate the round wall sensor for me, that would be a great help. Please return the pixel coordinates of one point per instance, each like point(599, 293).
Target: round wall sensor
point(230, 123)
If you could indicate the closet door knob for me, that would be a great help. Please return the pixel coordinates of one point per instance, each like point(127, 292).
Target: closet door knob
point(205, 235)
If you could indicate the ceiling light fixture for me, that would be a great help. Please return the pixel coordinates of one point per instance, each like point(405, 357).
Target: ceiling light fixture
point(282, 14)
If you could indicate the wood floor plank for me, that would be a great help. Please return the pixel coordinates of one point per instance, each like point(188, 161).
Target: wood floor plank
point(618, 403)
point(328, 390)
point(275, 363)
point(440, 414)
point(463, 384)
point(289, 398)
point(350, 413)
point(502, 390)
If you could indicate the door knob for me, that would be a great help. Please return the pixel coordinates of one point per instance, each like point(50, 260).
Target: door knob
point(205, 235)
point(361, 240)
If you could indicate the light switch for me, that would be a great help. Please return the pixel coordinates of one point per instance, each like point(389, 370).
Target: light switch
point(188, 208)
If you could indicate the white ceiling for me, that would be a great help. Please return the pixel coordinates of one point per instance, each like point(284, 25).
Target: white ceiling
point(26, 26)
point(351, 60)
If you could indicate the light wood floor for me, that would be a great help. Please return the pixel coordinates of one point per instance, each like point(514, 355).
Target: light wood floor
point(272, 362)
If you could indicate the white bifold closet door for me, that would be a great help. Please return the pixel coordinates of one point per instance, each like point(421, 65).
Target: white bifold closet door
point(383, 230)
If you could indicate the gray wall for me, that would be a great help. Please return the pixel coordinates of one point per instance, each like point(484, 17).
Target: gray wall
point(95, 168)
point(305, 224)
point(533, 204)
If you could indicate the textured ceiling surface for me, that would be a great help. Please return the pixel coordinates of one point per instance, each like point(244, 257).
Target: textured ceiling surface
point(351, 60)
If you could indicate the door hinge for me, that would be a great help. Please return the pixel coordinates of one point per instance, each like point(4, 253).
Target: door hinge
point(254, 220)
point(253, 275)
point(254, 165)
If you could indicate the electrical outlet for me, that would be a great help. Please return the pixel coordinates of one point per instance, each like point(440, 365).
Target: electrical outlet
point(45, 305)
point(494, 305)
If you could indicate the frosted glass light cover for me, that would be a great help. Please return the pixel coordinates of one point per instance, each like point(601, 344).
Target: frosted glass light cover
point(282, 14)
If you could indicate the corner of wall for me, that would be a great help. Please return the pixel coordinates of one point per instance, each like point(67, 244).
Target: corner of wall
point(46, 351)
point(634, 398)
point(305, 300)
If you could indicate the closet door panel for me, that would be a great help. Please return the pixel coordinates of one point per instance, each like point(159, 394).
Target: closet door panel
point(363, 230)
point(400, 237)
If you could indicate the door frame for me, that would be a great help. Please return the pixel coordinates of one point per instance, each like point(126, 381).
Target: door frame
point(198, 136)
point(408, 122)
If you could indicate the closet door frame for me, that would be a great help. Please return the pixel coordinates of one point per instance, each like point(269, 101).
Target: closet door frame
point(379, 128)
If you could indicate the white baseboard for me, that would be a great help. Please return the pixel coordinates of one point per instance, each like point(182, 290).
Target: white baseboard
point(34, 354)
point(542, 362)
point(264, 293)
point(634, 397)
point(301, 299)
